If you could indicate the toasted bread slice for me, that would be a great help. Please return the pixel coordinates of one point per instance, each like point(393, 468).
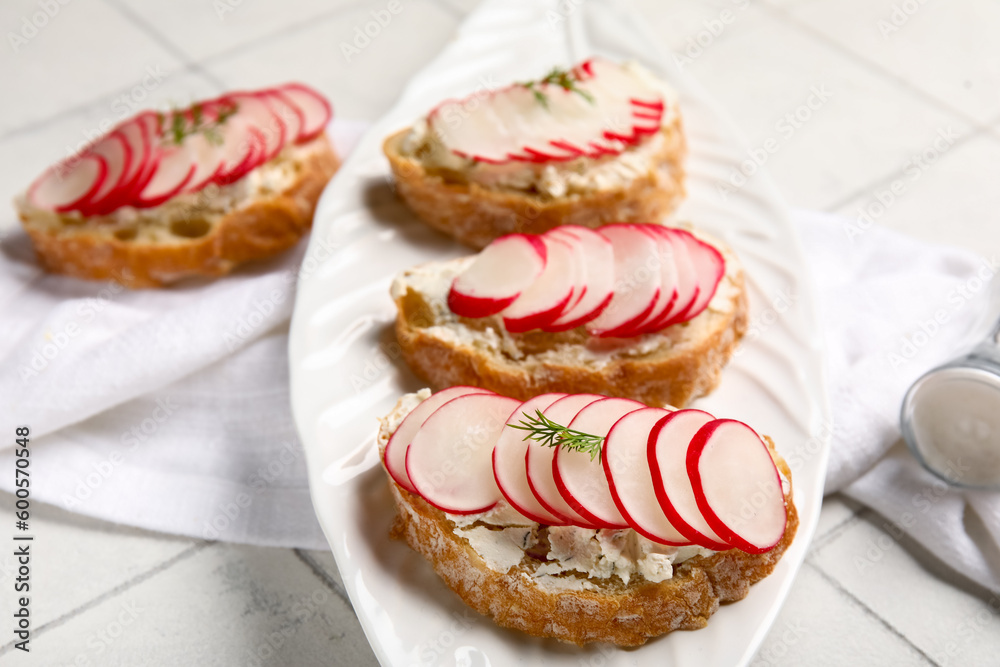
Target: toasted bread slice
point(671, 367)
point(572, 606)
point(207, 233)
point(475, 214)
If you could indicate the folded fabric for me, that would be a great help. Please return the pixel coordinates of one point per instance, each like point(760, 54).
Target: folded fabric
point(164, 409)
point(893, 308)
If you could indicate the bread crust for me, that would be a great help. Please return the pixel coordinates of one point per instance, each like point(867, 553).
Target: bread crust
point(476, 215)
point(674, 374)
point(625, 615)
point(260, 228)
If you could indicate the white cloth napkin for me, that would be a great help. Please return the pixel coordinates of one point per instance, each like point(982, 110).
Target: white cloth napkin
point(165, 409)
point(893, 308)
point(169, 409)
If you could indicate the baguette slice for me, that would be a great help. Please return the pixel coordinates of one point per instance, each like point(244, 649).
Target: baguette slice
point(671, 367)
point(572, 607)
point(475, 215)
point(207, 233)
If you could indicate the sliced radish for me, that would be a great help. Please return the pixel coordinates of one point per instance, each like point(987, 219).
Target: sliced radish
point(316, 110)
point(69, 184)
point(256, 111)
point(238, 148)
point(207, 158)
point(544, 300)
point(117, 154)
point(627, 469)
point(288, 112)
point(136, 133)
point(498, 276)
point(611, 108)
point(637, 280)
point(538, 460)
point(251, 146)
point(577, 267)
point(449, 460)
point(509, 464)
point(579, 478)
point(597, 255)
point(205, 151)
point(687, 281)
point(174, 170)
point(667, 455)
point(395, 450)
point(737, 485)
point(150, 124)
point(668, 281)
point(709, 267)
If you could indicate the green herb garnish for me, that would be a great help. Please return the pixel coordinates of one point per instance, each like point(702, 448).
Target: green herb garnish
point(185, 122)
point(547, 432)
point(564, 78)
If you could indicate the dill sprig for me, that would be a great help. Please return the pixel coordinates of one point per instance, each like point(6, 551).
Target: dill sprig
point(185, 122)
point(547, 432)
point(564, 78)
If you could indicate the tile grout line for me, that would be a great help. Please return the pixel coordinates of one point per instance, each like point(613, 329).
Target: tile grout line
point(114, 592)
point(871, 612)
point(829, 536)
point(187, 66)
point(322, 575)
point(282, 32)
point(784, 15)
point(166, 44)
point(977, 132)
point(988, 130)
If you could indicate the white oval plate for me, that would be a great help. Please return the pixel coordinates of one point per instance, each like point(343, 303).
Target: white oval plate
point(346, 371)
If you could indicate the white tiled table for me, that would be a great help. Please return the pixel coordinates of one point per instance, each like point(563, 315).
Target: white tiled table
point(897, 73)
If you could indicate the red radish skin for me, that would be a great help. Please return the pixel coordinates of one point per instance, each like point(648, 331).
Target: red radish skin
point(151, 133)
point(238, 149)
point(709, 267)
point(135, 134)
point(174, 170)
point(256, 112)
point(577, 268)
point(449, 460)
point(288, 112)
point(255, 146)
point(498, 276)
point(538, 460)
point(144, 166)
point(581, 480)
point(597, 255)
point(316, 110)
point(544, 300)
point(613, 93)
point(687, 280)
point(630, 480)
point(621, 281)
point(394, 455)
point(668, 281)
point(70, 184)
point(737, 485)
point(117, 154)
point(637, 285)
point(667, 451)
point(510, 466)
